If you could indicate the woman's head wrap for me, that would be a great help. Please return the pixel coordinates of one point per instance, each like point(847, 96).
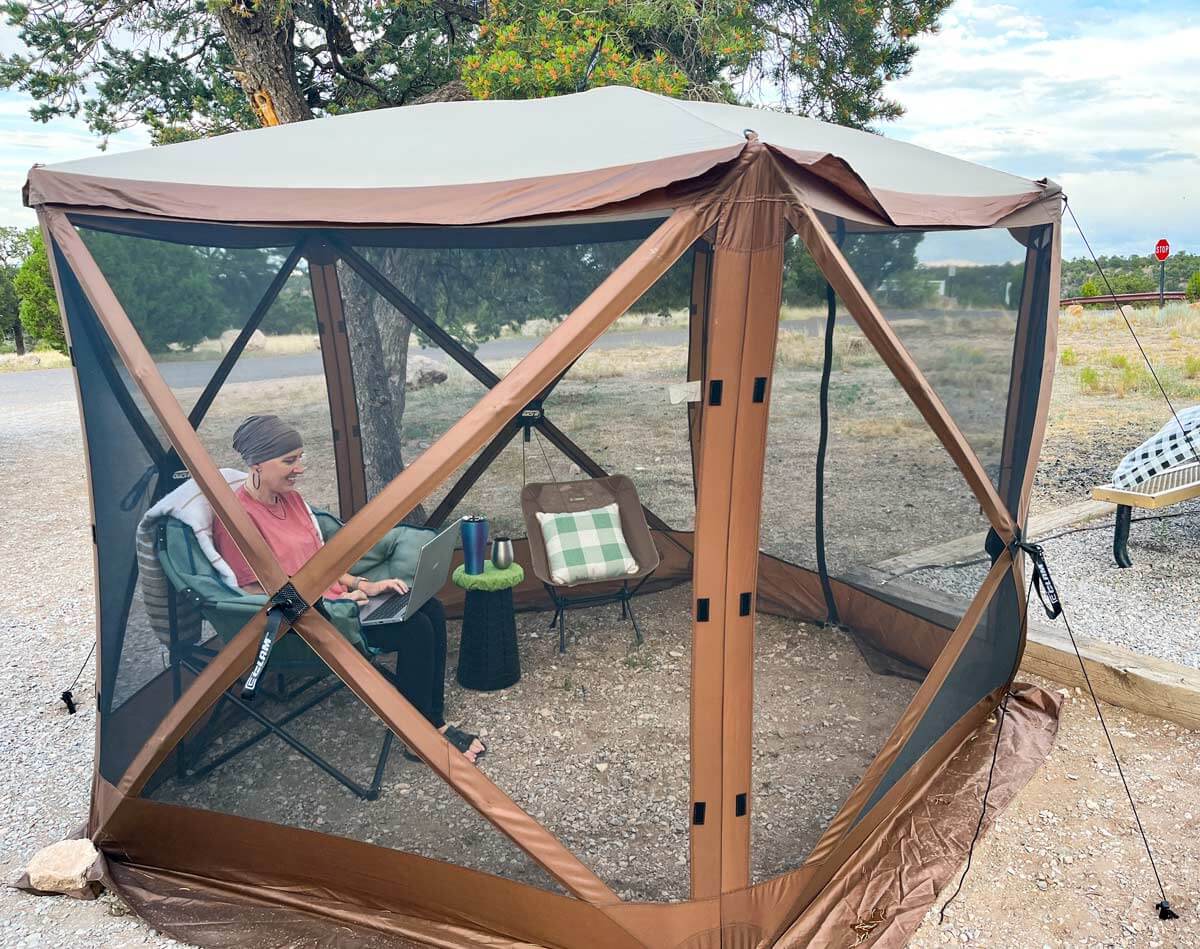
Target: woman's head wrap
point(263, 437)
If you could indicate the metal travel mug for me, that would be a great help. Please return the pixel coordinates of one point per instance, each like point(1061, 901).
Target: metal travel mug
point(502, 553)
point(474, 537)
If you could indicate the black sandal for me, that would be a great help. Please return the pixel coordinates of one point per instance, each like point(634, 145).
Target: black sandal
point(410, 755)
point(463, 740)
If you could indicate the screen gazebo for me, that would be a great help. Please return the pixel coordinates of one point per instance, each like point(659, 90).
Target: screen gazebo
point(798, 455)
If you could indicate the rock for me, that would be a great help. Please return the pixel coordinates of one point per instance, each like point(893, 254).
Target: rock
point(602, 767)
point(423, 372)
point(62, 867)
point(256, 343)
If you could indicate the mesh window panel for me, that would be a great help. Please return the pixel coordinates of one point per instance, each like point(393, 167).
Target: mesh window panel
point(953, 299)
point(624, 403)
point(279, 781)
point(454, 311)
point(793, 428)
point(613, 787)
point(991, 655)
point(611, 719)
point(136, 685)
point(190, 302)
point(827, 697)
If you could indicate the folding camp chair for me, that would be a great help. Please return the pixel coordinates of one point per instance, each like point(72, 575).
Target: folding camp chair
point(193, 578)
point(568, 496)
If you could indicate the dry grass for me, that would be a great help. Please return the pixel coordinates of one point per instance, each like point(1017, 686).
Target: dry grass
point(802, 351)
point(288, 344)
point(598, 364)
point(1098, 346)
point(43, 359)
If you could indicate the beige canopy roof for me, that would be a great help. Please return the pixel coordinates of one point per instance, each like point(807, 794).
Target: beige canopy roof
point(487, 161)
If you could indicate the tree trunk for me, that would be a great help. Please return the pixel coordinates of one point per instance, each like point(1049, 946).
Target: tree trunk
point(263, 48)
point(19, 336)
point(379, 338)
point(260, 35)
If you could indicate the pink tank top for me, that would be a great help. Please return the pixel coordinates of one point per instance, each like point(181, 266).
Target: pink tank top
point(288, 530)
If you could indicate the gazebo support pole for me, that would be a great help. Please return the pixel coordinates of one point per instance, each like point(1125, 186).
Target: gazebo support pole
point(339, 377)
point(747, 273)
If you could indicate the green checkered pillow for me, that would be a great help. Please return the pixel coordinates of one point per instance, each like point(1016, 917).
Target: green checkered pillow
point(586, 545)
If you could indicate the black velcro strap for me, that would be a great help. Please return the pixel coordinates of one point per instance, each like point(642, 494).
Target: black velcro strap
point(286, 605)
point(1043, 583)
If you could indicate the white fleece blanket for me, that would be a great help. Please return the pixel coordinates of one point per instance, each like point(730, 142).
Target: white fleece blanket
point(187, 503)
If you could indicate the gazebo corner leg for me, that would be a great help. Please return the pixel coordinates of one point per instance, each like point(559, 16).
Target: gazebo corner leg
point(1121, 536)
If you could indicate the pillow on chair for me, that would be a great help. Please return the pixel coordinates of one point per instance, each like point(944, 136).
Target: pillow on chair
point(586, 545)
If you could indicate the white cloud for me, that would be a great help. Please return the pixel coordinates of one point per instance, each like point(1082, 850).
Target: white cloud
point(24, 143)
point(1101, 101)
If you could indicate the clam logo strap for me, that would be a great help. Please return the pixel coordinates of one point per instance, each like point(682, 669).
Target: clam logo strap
point(288, 605)
point(1043, 583)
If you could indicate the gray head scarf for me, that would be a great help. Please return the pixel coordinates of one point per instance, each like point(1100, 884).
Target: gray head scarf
point(263, 437)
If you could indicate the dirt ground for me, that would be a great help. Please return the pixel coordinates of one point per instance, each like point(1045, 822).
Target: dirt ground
point(1065, 866)
point(1059, 869)
point(594, 744)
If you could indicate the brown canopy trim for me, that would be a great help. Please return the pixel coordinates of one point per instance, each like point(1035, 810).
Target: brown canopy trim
point(483, 203)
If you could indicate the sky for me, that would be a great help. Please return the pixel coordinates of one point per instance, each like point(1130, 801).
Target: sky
point(1098, 95)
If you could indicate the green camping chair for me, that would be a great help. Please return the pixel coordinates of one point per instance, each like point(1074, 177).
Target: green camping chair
point(192, 577)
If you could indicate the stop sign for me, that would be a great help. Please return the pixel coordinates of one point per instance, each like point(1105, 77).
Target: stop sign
point(1162, 250)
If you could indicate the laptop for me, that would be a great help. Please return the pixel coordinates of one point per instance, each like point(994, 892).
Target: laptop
point(433, 566)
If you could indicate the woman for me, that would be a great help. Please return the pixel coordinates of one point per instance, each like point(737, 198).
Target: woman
point(274, 453)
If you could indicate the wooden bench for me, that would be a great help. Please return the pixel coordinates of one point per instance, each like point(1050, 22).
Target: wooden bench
point(1177, 484)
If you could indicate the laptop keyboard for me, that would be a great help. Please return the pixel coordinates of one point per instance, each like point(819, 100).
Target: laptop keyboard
point(390, 607)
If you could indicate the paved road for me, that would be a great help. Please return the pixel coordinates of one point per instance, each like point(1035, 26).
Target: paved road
point(54, 385)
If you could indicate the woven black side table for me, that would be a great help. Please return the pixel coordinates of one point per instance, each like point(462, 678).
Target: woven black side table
point(487, 656)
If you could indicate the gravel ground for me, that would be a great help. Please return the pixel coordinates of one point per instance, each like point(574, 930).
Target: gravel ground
point(1152, 607)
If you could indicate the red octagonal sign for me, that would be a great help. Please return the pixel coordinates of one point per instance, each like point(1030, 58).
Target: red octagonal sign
point(1162, 250)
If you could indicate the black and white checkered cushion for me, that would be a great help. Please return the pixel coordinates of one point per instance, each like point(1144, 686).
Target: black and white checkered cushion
point(1164, 450)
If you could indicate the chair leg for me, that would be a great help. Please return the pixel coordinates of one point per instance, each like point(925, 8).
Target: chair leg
point(270, 727)
point(627, 604)
point(562, 629)
point(386, 751)
point(1121, 536)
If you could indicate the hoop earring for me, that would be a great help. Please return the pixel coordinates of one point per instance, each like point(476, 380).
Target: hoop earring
point(256, 479)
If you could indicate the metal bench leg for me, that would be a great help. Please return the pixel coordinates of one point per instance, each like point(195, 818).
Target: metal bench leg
point(1121, 536)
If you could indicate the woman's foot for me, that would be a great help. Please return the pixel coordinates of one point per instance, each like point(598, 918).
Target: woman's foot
point(468, 744)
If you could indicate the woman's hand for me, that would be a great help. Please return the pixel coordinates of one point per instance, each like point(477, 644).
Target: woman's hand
point(376, 587)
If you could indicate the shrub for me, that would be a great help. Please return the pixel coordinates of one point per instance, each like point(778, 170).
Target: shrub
point(1089, 380)
point(1116, 360)
point(39, 305)
point(1191, 367)
point(1193, 288)
point(1069, 357)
